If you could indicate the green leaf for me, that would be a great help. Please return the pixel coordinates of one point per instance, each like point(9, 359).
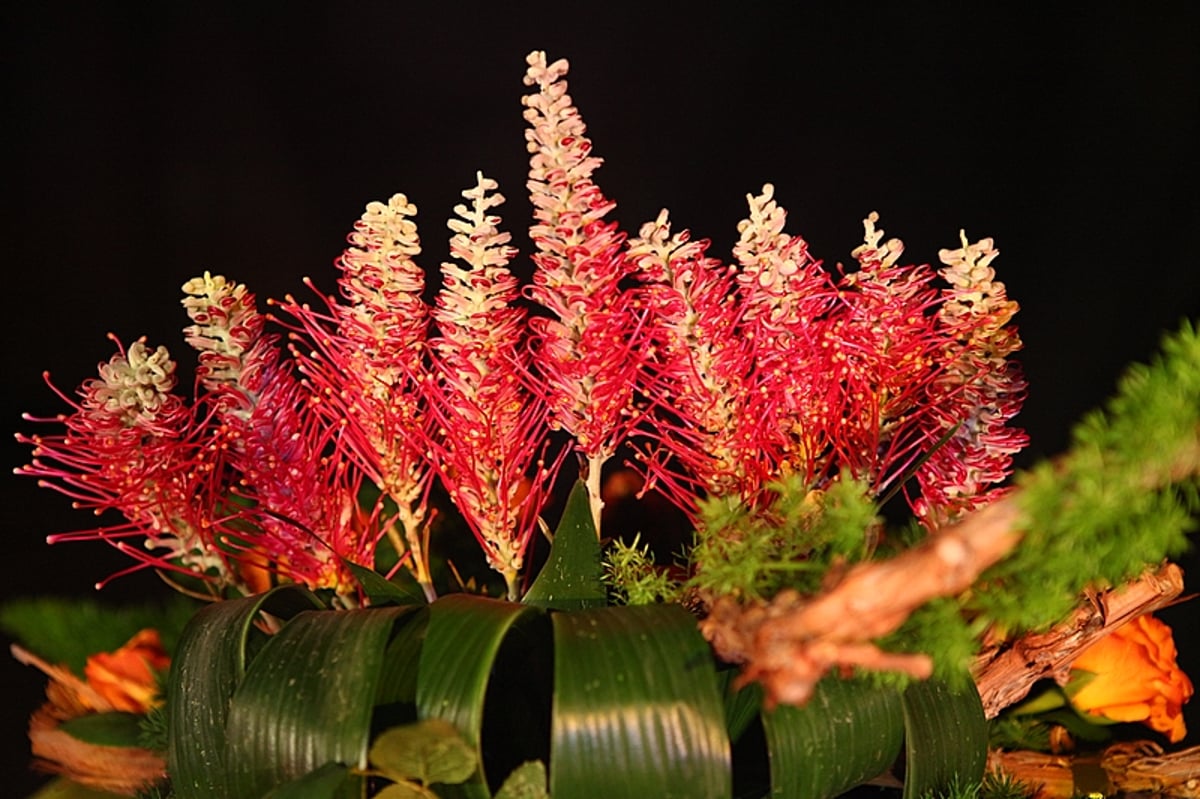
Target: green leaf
point(847, 733)
point(637, 709)
point(528, 781)
point(382, 591)
point(208, 665)
point(396, 696)
point(460, 653)
point(742, 706)
point(428, 751)
point(330, 781)
point(573, 576)
point(105, 729)
point(1082, 726)
point(308, 697)
point(945, 734)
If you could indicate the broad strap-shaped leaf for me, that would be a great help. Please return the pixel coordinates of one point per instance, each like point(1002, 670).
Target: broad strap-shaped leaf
point(572, 577)
point(742, 706)
point(846, 734)
point(461, 647)
point(637, 708)
point(308, 698)
point(208, 666)
point(396, 694)
point(946, 736)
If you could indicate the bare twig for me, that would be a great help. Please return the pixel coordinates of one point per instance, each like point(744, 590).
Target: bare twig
point(790, 643)
point(1005, 672)
point(1131, 767)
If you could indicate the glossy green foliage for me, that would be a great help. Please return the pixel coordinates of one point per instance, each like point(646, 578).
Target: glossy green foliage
point(615, 701)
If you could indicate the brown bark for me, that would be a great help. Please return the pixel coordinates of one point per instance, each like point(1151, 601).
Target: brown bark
point(790, 643)
point(1134, 767)
point(1005, 672)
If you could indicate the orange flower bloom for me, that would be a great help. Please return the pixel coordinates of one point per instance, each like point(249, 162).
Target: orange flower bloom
point(126, 677)
point(1136, 678)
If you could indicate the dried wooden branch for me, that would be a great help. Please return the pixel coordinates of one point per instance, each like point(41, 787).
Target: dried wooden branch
point(791, 642)
point(1005, 672)
point(1132, 767)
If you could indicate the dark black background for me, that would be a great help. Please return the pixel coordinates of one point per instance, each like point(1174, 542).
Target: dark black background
point(145, 147)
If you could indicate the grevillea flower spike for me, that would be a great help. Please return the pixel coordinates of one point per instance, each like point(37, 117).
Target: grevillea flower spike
point(130, 446)
point(881, 346)
point(365, 367)
point(979, 393)
point(491, 428)
point(785, 295)
point(699, 380)
point(302, 504)
point(737, 383)
point(586, 350)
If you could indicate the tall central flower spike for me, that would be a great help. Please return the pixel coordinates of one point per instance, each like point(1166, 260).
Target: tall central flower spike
point(302, 502)
point(366, 368)
point(585, 351)
point(130, 446)
point(492, 430)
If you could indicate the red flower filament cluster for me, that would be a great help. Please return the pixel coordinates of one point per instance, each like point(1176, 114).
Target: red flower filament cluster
point(721, 377)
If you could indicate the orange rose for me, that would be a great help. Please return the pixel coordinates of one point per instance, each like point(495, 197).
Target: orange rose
point(1135, 678)
point(126, 677)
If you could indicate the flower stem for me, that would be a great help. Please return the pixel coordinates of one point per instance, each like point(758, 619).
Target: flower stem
point(592, 480)
point(412, 522)
point(512, 584)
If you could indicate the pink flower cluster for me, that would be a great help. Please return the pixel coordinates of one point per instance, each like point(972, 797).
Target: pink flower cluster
point(721, 377)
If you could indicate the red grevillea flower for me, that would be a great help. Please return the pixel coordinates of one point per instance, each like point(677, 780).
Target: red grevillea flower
point(703, 440)
point(881, 346)
point(365, 366)
point(585, 351)
point(785, 296)
point(979, 392)
point(303, 502)
point(491, 428)
point(129, 447)
point(775, 370)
